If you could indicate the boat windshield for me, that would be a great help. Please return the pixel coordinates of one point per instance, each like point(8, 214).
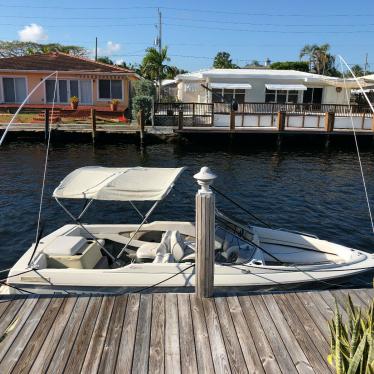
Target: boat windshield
point(233, 241)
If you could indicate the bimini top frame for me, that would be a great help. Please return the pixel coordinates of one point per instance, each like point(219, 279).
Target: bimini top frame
point(119, 184)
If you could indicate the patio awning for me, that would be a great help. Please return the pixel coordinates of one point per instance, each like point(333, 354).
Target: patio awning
point(286, 87)
point(231, 86)
point(119, 184)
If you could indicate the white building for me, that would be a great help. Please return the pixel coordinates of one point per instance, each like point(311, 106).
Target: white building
point(262, 86)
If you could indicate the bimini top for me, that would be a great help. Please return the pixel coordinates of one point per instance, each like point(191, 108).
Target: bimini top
point(120, 184)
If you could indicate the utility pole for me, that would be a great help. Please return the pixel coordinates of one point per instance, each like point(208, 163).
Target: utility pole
point(96, 49)
point(159, 30)
point(366, 64)
point(159, 42)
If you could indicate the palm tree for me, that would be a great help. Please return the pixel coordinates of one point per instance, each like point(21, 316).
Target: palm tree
point(320, 60)
point(308, 51)
point(153, 65)
point(357, 70)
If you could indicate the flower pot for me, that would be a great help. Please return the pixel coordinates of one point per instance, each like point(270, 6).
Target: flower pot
point(74, 105)
point(114, 107)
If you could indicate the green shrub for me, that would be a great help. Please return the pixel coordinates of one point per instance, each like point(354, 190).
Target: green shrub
point(142, 103)
point(352, 344)
point(144, 87)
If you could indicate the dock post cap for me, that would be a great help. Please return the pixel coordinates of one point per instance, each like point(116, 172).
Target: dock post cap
point(204, 178)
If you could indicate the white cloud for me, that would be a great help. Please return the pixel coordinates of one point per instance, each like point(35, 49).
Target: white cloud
point(32, 33)
point(112, 47)
point(120, 61)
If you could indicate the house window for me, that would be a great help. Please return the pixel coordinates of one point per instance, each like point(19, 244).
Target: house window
point(14, 90)
point(110, 89)
point(226, 95)
point(313, 95)
point(66, 88)
point(281, 97)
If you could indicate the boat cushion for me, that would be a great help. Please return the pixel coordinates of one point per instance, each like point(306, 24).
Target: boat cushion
point(177, 245)
point(66, 246)
point(151, 250)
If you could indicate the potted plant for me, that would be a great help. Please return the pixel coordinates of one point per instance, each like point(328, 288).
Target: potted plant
point(74, 102)
point(114, 105)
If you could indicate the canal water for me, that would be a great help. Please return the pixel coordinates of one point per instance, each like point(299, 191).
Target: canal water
point(316, 191)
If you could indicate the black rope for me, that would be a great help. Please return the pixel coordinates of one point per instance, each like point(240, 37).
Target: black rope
point(240, 207)
point(17, 288)
point(16, 275)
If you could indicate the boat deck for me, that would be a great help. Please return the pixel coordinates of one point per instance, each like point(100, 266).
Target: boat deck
point(170, 333)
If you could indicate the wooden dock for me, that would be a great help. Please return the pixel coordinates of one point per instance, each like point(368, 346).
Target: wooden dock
point(170, 333)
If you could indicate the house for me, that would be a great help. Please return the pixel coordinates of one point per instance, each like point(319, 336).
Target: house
point(94, 83)
point(262, 86)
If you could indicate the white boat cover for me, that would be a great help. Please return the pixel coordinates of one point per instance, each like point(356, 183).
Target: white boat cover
point(243, 86)
point(119, 184)
point(286, 87)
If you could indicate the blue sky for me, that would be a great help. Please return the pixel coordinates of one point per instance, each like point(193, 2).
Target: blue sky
point(194, 30)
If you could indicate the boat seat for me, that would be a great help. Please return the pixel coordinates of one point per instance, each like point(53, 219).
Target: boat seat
point(66, 246)
point(73, 252)
point(149, 251)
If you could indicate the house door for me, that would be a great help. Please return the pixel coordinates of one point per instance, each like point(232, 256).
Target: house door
point(85, 92)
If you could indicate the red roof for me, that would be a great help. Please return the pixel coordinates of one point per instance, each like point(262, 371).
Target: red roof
point(57, 61)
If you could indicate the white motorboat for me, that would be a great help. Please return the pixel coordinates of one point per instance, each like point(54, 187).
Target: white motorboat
point(117, 258)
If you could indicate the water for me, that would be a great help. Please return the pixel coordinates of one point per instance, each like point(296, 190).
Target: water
point(316, 191)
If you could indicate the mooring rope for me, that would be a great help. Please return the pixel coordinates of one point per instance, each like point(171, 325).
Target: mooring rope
point(354, 133)
point(37, 235)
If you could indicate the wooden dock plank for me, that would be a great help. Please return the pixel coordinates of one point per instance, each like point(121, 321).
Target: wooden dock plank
point(126, 347)
point(172, 351)
point(55, 332)
point(275, 340)
point(157, 344)
point(265, 352)
point(13, 323)
point(245, 337)
point(233, 348)
point(297, 355)
point(32, 348)
point(304, 330)
point(143, 335)
point(297, 311)
point(93, 355)
point(4, 305)
point(113, 337)
point(315, 313)
point(217, 344)
point(203, 351)
point(186, 335)
point(62, 352)
point(29, 322)
point(172, 333)
point(9, 315)
point(82, 341)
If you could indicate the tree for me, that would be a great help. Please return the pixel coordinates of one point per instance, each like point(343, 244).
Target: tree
point(105, 60)
point(320, 60)
point(290, 65)
point(223, 61)
point(154, 65)
point(174, 71)
point(16, 48)
point(357, 70)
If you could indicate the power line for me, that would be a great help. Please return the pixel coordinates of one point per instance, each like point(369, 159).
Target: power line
point(206, 28)
point(268, 14)
point(193, 20)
